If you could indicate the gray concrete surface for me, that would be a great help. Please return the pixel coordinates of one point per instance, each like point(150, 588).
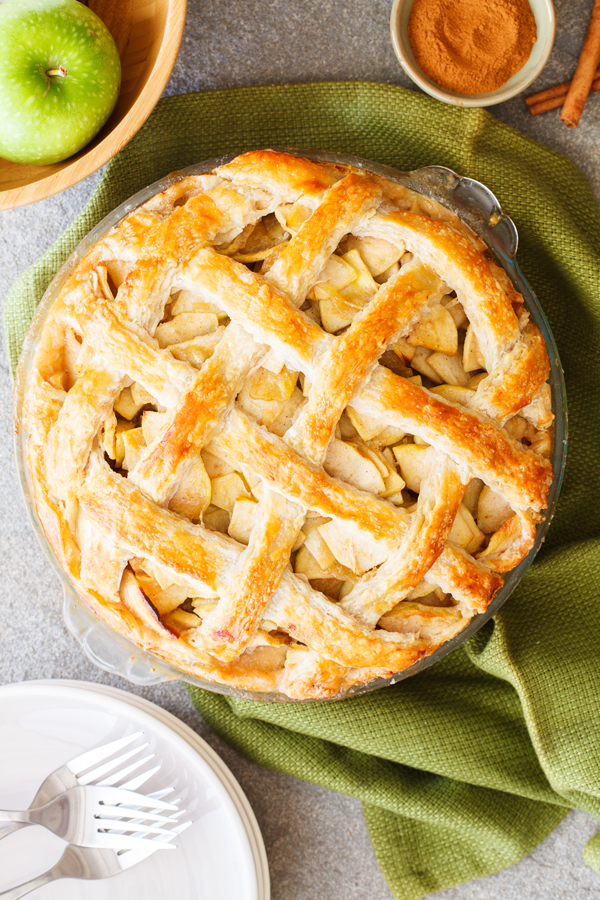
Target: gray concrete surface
point(316, 840)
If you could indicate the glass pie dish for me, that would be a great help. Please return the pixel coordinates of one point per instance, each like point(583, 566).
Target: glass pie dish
point(479, 210)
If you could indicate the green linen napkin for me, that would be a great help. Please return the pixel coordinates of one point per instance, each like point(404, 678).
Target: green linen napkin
point(465, 768)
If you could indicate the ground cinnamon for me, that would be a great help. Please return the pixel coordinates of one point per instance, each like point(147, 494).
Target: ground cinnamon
point(471, 46)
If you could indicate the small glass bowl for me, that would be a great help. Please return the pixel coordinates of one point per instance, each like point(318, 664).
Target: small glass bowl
point(545, 21)
point(479, 209)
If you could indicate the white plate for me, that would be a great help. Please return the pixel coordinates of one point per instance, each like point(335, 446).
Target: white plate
point(43, 724)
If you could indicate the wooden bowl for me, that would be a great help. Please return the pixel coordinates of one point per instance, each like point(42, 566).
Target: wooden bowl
point(147, 34)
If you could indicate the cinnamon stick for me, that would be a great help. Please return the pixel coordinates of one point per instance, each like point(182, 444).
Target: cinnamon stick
point(584, 73)
point(553, 102)
point(559, 90)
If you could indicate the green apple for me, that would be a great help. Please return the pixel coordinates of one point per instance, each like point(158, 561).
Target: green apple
point(60, 76)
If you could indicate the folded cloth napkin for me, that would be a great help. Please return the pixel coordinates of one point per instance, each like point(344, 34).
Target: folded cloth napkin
point(465, 768)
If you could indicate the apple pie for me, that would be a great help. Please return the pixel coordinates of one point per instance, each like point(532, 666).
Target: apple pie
point(289, 426)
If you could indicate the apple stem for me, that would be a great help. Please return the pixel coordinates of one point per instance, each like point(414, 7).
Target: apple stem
point(60, 71)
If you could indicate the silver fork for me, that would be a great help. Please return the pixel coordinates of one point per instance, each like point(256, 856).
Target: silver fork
point(76, 772)
point(99, 817)
point(91, 863)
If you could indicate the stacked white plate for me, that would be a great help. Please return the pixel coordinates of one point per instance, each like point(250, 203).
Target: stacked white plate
point(43, 724)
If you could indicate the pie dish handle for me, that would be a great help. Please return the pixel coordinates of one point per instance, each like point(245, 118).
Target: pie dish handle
point(108, 649)
point(474, 203)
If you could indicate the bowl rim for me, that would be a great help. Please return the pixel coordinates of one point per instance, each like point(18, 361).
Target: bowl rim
point(88, 161)
point(470, 100)
point(479, 209)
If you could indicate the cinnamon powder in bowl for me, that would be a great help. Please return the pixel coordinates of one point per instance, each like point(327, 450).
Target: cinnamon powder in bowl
point(468, 46)
point(473, 52)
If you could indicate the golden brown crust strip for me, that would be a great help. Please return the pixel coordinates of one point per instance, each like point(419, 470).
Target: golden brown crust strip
point(257, 306)
point(297, 266)
point(255, 577)
point(187, 228)
point(435, 624)
point(162, 375)
point(309, 675)
point(127, 240)
point(422, 543)
point(197, 415)
point(56, 526)
point(510, 544)
point(71, 437)
point(289, 474)
point(459, 574)
point(144, 293)
point(467, 438)
point(353, 354)
point(280, 172)
point(514, 382)
point(122, 510)
point(465, 269)
point(323, 626)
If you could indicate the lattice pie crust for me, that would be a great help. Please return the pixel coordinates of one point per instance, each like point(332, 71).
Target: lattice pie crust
point(288, 426)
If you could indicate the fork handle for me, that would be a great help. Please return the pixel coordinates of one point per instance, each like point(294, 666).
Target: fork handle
point(16, 816)
point(21, 889)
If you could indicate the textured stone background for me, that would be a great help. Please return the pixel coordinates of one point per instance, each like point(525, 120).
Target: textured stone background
point(316, 840)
